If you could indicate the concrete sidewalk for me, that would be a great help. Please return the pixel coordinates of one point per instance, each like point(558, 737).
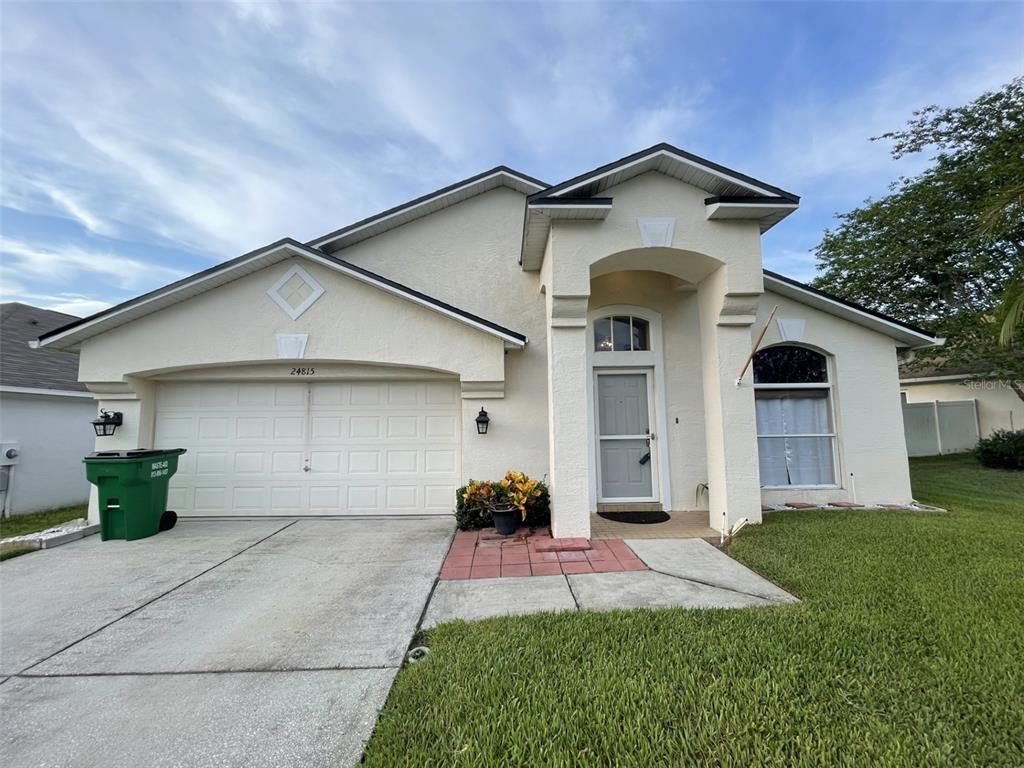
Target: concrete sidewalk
point(684, 573)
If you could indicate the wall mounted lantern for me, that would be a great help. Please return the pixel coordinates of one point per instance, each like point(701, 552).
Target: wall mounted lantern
point(482, 420)
point(107, 423)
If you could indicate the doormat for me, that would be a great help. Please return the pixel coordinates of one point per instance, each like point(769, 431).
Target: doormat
point(639, 518)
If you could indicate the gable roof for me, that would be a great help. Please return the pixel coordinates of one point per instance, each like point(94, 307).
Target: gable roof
point(906, 334)
point(74, 333)
point(733, 195)
point(679, 164)
point(500, 176)
point(27, 368)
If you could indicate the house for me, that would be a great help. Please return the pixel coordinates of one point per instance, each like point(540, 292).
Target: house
point(602, 324)
point(948, 408)
point(44, 415)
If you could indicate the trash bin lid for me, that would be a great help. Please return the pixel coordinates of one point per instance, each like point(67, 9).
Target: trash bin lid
point(138, 453)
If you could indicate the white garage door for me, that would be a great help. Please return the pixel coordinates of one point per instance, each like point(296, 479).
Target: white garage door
point(327, 448)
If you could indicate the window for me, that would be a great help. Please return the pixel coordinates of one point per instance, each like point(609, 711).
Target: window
point(795, 431)
point(622, 333)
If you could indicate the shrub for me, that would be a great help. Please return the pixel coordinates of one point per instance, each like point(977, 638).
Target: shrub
point(473, 501)
point(1002, 449)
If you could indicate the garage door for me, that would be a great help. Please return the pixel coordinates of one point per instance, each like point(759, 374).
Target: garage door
point(329, 448)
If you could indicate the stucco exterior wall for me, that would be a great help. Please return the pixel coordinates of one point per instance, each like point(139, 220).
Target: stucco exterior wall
point(53, 434)
point(653, 195)
point(873, 464)
point(468, 255)
point(998, 405)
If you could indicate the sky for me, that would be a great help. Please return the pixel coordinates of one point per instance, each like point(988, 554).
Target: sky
point(141, 142)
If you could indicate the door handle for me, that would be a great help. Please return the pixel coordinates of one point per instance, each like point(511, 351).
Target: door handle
point(651, 436)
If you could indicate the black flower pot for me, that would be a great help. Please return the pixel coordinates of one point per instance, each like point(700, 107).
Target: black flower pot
point(506, 520)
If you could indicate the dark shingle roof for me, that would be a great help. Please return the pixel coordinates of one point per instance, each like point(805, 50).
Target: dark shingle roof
point(22, 366)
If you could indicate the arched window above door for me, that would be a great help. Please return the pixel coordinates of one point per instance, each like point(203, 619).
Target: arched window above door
point(622, 333)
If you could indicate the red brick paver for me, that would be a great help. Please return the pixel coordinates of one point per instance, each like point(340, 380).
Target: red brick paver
point(486, 555)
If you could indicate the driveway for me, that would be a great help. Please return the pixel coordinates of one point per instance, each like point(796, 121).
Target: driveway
point(218, 643)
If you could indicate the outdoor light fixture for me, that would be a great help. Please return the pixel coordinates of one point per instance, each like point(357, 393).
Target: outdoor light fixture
point(107, 423)
point(482, 420)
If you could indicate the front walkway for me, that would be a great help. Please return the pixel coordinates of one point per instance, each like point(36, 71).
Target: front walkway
point(683, 573)
point(486, 555)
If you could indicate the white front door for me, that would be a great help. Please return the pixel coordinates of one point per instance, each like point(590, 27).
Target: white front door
point(627, 460)
point(324, 448)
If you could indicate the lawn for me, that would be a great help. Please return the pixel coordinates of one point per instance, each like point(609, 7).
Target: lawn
point(39, 521)
point(907, 650)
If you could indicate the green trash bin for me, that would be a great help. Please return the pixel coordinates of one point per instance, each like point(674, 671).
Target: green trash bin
point(132, 489)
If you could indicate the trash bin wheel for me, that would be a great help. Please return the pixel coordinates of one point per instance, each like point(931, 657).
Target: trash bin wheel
point(167, 520)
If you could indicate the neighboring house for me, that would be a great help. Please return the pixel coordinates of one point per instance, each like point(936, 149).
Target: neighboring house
point(947, 409)
point(596, 321)
point(44, 415)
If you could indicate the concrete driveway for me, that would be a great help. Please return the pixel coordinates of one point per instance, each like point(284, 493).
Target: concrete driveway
point(219, 643)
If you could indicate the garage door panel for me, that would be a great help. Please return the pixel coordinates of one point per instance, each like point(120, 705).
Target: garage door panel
point(364, 394)
point(370, 447)
point(399, 462)
point(326, 428)
point(211, 462)
point(403, 427)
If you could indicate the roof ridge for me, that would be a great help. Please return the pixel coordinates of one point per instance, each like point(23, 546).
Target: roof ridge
point(664, 146)
point(316, 242)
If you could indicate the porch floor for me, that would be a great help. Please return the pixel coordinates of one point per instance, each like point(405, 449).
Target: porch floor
point(681, 525)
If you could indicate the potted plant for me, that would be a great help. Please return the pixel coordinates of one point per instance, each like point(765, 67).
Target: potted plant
point(507, 515)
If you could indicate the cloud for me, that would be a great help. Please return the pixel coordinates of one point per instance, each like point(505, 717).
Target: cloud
point(277, 120)
point(68, 264)
point(209, 129)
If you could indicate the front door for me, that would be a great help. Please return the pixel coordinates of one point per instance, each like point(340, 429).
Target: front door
point(626, 457)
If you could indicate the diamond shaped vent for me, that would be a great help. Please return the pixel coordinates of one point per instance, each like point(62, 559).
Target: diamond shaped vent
point(295, 292)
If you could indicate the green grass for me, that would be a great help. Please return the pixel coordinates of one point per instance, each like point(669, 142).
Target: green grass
point(40, 521)
point(8, 552)
point(907, 650)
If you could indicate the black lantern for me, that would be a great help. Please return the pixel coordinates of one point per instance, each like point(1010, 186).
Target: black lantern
point(107, 423)
point(482, 420)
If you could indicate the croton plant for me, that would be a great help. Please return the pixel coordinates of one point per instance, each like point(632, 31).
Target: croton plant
point(475, 501)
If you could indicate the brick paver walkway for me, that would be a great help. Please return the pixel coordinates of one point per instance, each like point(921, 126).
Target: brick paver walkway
point(486, 555)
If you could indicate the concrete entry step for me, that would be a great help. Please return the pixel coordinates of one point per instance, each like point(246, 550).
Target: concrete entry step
point(655, 506)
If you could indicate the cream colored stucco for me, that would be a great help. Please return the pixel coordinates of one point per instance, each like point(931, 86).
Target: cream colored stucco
point(706, 288)
point(865, 387)
point(998, 405)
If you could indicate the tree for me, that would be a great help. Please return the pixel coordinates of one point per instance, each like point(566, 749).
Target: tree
point(945, 249)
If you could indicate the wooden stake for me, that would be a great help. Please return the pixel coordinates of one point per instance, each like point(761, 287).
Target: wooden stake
point(760, 338)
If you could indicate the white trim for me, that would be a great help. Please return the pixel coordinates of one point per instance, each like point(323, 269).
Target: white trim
point(951, 377)
point(847, 312)
point(674, 156)
point(615, 362)
point(405, 209)
point(274, 292)
point(291, 346)
point(46, 392)
point(837, 456)
point(656, 232)
point(298, 250)
point(604, 207)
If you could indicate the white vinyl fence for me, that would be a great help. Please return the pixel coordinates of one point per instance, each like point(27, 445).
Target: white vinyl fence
point(949, 426)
